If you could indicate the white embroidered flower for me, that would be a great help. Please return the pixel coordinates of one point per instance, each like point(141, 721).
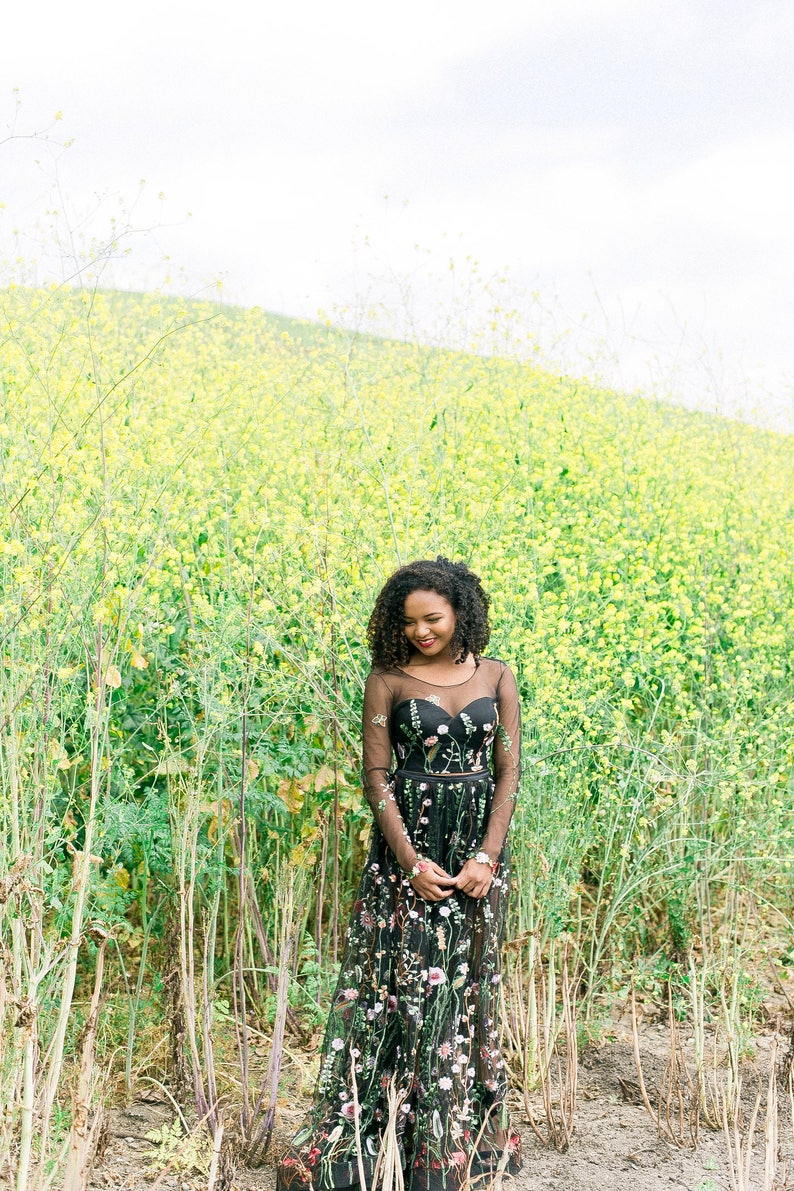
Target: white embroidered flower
point(442, 730)
point(445, 1083)
point(444, 911)
point(337, 1044)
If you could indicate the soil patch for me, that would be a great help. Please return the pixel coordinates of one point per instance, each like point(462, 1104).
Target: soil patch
point(615, 1143)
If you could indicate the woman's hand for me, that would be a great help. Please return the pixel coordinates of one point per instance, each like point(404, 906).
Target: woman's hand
point(433, 883)
point(474, 879)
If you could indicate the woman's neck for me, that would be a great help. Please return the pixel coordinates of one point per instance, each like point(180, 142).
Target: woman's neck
point(442, 666)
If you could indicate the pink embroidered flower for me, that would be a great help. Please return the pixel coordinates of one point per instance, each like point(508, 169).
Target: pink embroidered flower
point(348, 1111)
point(436, 976)
point(457, 1158)
point(445, 1083)
point(350, 994)
point(444, 1050)
point(431, 740)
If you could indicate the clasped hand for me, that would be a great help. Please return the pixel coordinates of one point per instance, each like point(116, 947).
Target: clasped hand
point(434, 884)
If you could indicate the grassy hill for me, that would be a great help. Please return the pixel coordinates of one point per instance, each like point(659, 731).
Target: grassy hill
point(199, 505)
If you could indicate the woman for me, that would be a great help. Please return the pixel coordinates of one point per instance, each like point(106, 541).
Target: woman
point(411, 1044)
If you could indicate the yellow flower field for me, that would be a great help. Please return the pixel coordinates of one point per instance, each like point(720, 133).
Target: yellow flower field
point(198, 506)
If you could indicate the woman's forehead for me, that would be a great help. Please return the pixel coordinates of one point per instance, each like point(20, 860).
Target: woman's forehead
point(422, 603)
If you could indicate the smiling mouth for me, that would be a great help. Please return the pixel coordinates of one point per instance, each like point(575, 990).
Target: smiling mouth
point(426, 644)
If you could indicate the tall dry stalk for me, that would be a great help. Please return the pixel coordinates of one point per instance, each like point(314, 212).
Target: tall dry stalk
point(85, 1128)
point(293, 888)
point(388, 1173)
point(557, 1049)
point(676, 1112)
point(40, 961)
point(739, 1145)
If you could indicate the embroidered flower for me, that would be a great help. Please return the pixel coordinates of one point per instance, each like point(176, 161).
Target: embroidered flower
point(436, 976)
point(444, 911)
point(350, 994)
point(445, 1083)
point(348, 1111)
point(444, 1050)
point(337, 1044)
point(432, 740)
point(442, 729)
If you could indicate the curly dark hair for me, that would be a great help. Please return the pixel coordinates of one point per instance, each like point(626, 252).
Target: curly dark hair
point(453, 580)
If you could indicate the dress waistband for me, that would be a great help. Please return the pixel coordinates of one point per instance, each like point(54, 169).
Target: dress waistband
point(481, 775)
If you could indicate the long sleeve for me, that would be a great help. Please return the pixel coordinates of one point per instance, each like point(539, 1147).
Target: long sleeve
point(378, 786)
point(506, 763)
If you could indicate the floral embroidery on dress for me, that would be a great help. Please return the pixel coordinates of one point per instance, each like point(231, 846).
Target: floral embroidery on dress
point(416, 1008)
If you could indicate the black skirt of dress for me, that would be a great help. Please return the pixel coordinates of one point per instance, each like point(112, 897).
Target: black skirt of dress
point(411, 1043)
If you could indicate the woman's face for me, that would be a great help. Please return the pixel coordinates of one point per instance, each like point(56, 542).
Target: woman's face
point(429, 622)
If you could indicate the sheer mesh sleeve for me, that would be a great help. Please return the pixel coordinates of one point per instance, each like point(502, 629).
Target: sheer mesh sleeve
point(378, 785)
point(506, 763)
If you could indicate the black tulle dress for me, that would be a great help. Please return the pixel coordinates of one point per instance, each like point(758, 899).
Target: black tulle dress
point(411, 1043)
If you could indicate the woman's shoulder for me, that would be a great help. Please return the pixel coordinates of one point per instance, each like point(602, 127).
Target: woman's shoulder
point(380, 676)
point(498, 675)
point(496, 665)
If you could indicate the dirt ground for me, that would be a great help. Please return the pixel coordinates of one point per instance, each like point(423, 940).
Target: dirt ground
point(615, 1143)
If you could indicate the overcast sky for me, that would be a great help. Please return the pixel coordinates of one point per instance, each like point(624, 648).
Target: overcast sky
point(628, 165)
